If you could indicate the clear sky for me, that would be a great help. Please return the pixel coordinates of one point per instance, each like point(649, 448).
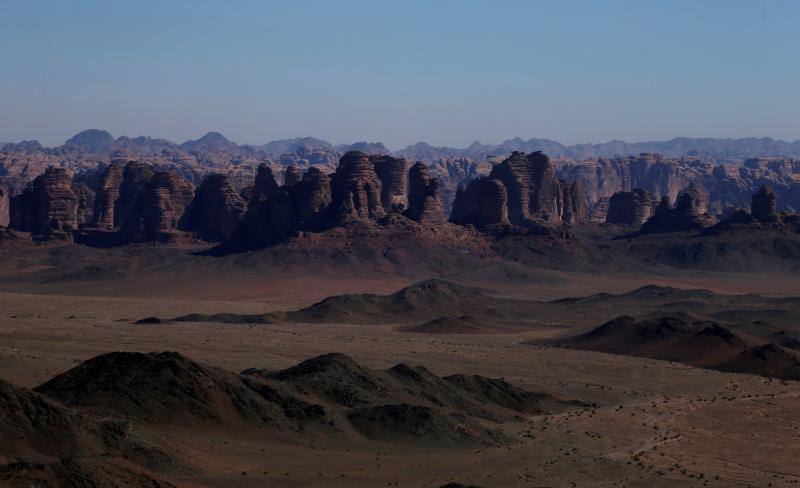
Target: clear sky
point(446, 72)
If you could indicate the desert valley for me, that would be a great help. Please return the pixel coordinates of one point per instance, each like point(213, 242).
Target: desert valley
point(209, 314)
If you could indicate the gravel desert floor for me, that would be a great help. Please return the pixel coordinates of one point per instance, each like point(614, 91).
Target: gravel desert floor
point(649, 423)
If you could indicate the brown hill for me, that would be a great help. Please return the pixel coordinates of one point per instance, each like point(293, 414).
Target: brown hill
point(159, 387)
point(691, 340)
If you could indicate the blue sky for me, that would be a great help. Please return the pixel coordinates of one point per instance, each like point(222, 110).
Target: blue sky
point(446, 72)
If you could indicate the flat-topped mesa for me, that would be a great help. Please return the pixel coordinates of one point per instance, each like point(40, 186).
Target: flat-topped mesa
point(393, 173)
point(216, 209)
point(106, 196)
point(47, 207)
point(355, 190)
point(764, 206)
point(291, 175)
point(689, 213)
point(533, 194)
point(481, 203)
point(424, 200)
point(631, 208)
point(5, 208)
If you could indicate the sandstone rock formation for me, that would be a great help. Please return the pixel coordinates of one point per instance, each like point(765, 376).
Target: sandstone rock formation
point(764, 205)
point(216, 209)
point(533, 194)
point(483, 202)
point(86, 202)
point(689, 213)
point(356, 190)
point(424, 201)
point(106, 197)
point(163, 204)
point(134, 179)
point(291, 175)
point(4, 208)
point(393, 173)
point(632, 208)
point(47, 207)
point(265, 185)
point(310, 199)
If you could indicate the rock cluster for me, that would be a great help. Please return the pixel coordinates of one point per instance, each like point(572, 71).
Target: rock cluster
point(106, 196)
point(291, 175)
point(689, 213)
point(764, 205)
point(481, 203)
point(4, 208)
point(47, 207)
point(530, 193)
point(159, 208)
point(393, 173)
point(216, 210)
point(632, 208)
point(424, 201)
point(356, 190)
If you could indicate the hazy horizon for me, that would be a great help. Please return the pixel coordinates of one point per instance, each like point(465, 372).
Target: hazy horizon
point(447, 74)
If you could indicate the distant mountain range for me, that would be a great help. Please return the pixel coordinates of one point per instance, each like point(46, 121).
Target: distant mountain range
point(100, 141)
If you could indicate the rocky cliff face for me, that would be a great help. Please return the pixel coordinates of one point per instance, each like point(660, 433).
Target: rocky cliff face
point(135, 177)
point(86, 202)
point(689, 213)
point(106, 197)
point(159, 208)
point(291, 175)
point(356, 190)
point(310, 199)
point(48, 206)
point(632, 208)
point(424, 201)
point(764, 205)
point(481, 203)
point(533, 194)
point(4, 208)
point(265, 184)
point(216, 209)
point(393, 173)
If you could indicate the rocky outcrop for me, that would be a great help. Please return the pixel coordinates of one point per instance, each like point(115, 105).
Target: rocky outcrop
point(424, 201)
point(689, 213)
point(291, 175)
point(265, 185)
point(216, 209)
point(160, 205)
point(534, 192)
point(356, 190)
point(572, 203)
point(631, 208)
point(764, 205)
point(106, 197)
point(135, 178)
point(533, 195)
point(86, 201)
point(4, 208)
point(310, 199)
point(47, 207)
point(393, 173)
point(481, 203)
point(164, 203)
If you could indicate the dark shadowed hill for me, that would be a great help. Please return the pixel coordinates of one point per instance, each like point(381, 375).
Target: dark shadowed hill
point(691, 340)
